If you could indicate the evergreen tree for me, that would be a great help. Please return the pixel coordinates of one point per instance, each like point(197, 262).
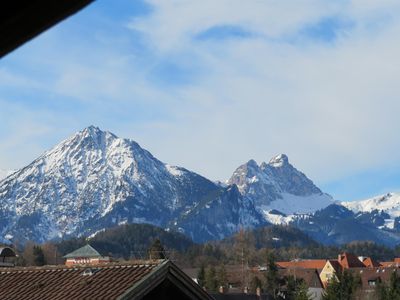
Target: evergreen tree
point(272, 277)
point(255, 283)
point(302, 292)
point(332, 291)
point(394, 286)
point(201, 276)
point(290, 287)
point(296, 289)
point(156, 250)
point(38, 256)
point(222, 276)
point(211, 280)
point(343, 287)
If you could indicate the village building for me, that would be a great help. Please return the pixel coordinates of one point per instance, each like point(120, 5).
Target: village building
point(370, 278)
point(349, 260)
point(394, 263)
point(136, 280)
point(7, 257)
point(370, 263)
point(344, 261)
point(85, 255)
point(329, 271)
point(310, 277)
point(302, 264)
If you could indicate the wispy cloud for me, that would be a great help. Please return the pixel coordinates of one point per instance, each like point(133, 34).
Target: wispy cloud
point(210, 84)
point(221, 32)
point(326, 30)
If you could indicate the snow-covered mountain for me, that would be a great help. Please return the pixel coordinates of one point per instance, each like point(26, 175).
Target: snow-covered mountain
point(96, 180)
point(389, 203)
point(278, 187)
point(4, 173)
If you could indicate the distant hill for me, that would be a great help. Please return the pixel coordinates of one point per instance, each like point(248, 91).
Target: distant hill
point(275, 236)
point(129, 241)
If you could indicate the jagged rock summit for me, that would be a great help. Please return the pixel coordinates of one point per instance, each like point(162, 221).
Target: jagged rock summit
point(278, 185)
point(279, 161)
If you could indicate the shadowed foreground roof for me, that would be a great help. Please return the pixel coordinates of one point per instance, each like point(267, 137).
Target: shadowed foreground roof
point(21, 20)
point(112, 281)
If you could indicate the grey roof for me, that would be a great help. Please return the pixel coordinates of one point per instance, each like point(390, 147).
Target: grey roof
point(7, 252)
point(86, 251)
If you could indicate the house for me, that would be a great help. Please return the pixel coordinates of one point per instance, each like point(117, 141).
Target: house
point(394, 263)
point(7, 256)
point(311, 279)
point(329, 271)
point(345, 261)
point(349, 260)
point(132, 280)
point(85, 255)
point(370, 263)
point(370, 278)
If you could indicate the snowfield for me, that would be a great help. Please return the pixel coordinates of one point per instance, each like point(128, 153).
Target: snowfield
point(389, 203)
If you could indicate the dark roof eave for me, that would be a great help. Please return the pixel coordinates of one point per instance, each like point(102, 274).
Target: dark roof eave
point(22, 20)
point(166, 270)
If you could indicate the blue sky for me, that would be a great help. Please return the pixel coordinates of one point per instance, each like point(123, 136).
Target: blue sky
point(210, 84)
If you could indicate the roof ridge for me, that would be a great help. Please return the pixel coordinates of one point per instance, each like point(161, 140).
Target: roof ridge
point(80, 267)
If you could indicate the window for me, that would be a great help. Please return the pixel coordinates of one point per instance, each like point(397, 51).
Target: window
point(371, 282)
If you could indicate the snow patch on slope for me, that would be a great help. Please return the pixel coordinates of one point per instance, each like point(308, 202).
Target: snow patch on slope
point(173, 170)
point(277, 219)
point(291, 204)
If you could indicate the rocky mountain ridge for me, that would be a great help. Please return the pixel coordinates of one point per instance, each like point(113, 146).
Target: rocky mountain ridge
point(96, 180)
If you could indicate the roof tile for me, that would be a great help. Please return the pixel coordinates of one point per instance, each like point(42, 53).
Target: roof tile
point(55, 283)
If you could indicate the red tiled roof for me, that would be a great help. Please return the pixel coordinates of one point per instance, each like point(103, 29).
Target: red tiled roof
point(349, 260)
point(302, 264)
point(370, 263)
point(389, 264)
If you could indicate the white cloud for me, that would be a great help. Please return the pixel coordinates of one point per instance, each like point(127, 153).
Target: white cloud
point(332, 107)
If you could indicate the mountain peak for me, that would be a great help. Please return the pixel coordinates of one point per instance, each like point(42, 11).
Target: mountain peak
point(91, 137)
point(279, 161)
point(252, 163)
point(91, 129)
point(94, 132)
